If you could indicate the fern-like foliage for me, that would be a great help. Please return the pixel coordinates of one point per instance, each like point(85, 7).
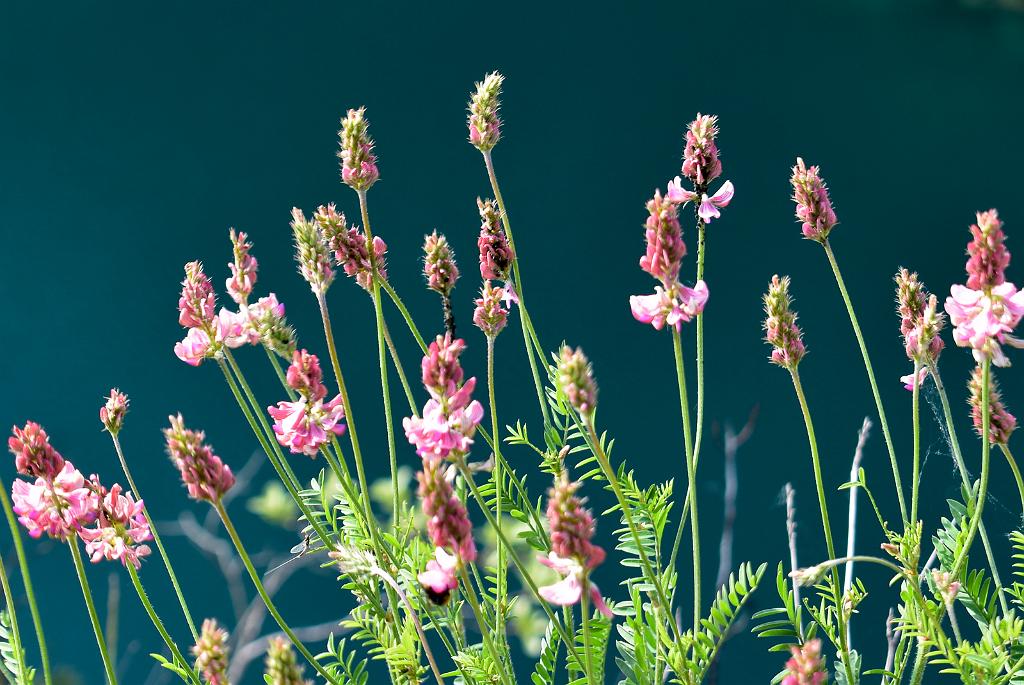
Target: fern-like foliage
point(12, 656)
point(547, 662)
point(341, 664)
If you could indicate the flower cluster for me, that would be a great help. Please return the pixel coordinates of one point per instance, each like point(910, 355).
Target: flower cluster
point(304, 425)
point(439, 264)
point(496, 255)
point(813, 206)
point(988, 256)
point(312, 253)
point(205, 476)
point(806, 666)
point(484, 123)
point(490, 315)
point(780, 328)
point(281, 666)
point(920, 324)
point(120, 529)
point(211, 653)
point(113, 411)
point(358, 163)
point(349, 246)
point(576, 380)
point(243, 268)
point(700, 156)
point(1001, 423)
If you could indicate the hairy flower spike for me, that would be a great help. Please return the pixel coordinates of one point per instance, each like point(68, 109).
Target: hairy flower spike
point(280, 666)
point(806, 666)
point(1001, 423)
point(112, 413)
point(120, 531)
point(496, 254)
point(781, 331)
point(700, 157)
point(572, 524)
point(920, 323)
point(211, 653)
point(665, 246)
point(447, 521)
point(441, 371)
point(813, 206)
point(490, 315)
point(243, 268)
point(312, 253)
point(988, 256)
point(358, 163)
point(197, 305)
point(58, 505)
point(203, 473)
point(576, 380)
point(439, 264)
point(33, 454)
point(305, 375)
point(349, 246)
point(484, 123)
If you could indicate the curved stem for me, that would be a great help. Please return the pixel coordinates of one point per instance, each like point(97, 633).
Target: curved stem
point(271, 608)
point(158, 624)
point(979, 505)
point(156, 538)
point(26, 578)
point(916, 473)
point(499, 481)
point(691, 472)
point(393, 294)
point(108, 665)
point(871, 379)
point(12, 615)
point(485, 629)
point(406, 388)
point(825, 522)
point(1016, 472)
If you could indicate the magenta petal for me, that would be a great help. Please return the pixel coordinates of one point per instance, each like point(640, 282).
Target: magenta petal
point(724, 195)
point(563, 593)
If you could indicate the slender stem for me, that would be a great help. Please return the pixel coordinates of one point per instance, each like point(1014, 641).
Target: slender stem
point(401, 371)
point(158, 624)
point(156, 538)
point(1016, 472)
point(12, 615)
point(916, 473)
point(825, 523)
point(499, 481)
point(524, 316)
point(701, 249)
point(961, 466)
point(386, 577)
point(393, 294)
point(276, 363)
point(108, 665)
point(871, 378)
point(585, 613)
point(271, 608)
point(979, 505)
point(485, 630)
point(26, 577)
point(920, 663)
point(691, 472)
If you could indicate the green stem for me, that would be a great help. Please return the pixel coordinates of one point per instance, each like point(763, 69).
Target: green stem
point(691, 472)
point(825, 523)
point(979, 505)
point(701, 247)
point(276, 363)
point(405, 314)
point(406, 388)
point(108, 665)
point(920, 663)
point(585, 613)
point(485, 629)
point(1016, 473)
point(871, 379)
point(524, 316)
point(156, 538)
point(271, 608)
point(12, 615)
point(916, 473)
point(961, 466)
point(158, 624)
point(26, 577)
point(499, 480)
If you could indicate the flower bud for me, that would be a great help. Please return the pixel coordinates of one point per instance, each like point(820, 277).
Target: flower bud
point(576, 380)
point(112, 413)
point(484, 123)
point(781, 331)
point(439, 264)
point(358, 163)
point(211, 653)
point(490, 315)
point(312, 253)
point(700, 157)
point(813, 206)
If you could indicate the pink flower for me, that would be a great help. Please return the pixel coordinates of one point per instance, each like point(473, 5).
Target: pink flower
point(576, 380)
point(708, 208)
point(33, 454)
point(490, 316)
point(439, 264)
point(192, 350)
point(349, 246)
point(484, 123)
point(984, 320)
point(58, 507)
point(989, 257)
point(120, 530)
point(204, 474)
point(1001, 423)
point(496, 254)
point(197, 303)
point(439, 577)
point(806, 667)
point(230, 328)
point(211, 653)
point(438, 433)
point(908, 380)
point(113, 411)
point(358, 162)
point(448, 522)
point(665, 246)
point(813, 206)
point(780, 328)
point(674, 307)
point(243, 268)
point(700, 156)
point(304, 426)
point(440, 369)
point(305, 375)
point(569, 590)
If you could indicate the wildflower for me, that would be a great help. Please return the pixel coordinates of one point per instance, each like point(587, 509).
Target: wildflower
point(806, 666)
point(813, 206)
point(665, 246)
point(33, 454)
point(439, 264)
point(490, 316)
point(349, 246)
point(708, 207)
point(112, 413)
point(304, 425)
point(447, 520)
point(569, 590)
point(438, 580)
point(441, 371)
point(674, 306)
point(946, 588)
point(496, 255)
point(305, 375)
point(986, 267)
point(781, 331)
point(312, 253)
point(805, 577)
point(484, 123)
point(192, 350)
point(121, 528)
point(203, 473)
point(576, 380)
point(700, 156)
point(358, 163)
point(1001, 423)
point(983, 320)
point(280, 666)
point(197, 303)
point(264, 322)
point(445, 430)
point(908, 380)
point(243, 268)
point(211, 653)
point(57, 505)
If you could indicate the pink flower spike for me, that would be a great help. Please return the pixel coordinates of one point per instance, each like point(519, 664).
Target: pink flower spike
point(677, 194)
point(33, 454)
point(709, 205)
point(569, 590)
point(304, 426)
point(192, 350)
point(439, 577)
point(908, 380)
point(120, 530)
point(58, 507)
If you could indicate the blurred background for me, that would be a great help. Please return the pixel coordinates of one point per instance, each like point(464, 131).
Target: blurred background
point(135, 135)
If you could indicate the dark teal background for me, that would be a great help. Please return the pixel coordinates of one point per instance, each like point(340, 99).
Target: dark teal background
point(133, 136)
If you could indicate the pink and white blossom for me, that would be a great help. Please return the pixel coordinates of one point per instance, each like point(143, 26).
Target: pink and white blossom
point(120, 530)
point(303, 426)
point(569, 590)
point(439, 576)
point(674, 307)
point(984, 320)
point(58, 507)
